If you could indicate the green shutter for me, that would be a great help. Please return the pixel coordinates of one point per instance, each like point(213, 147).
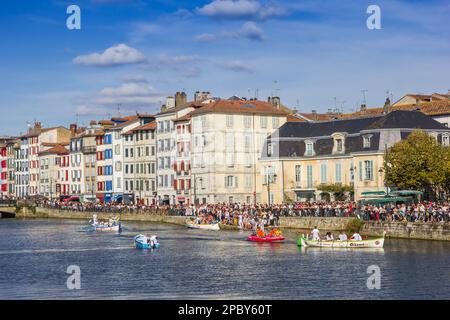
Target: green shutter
point(360, 171)
point(371, 170)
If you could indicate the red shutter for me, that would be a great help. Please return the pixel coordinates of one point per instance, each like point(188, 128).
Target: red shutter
point(182, 184)
point(175, 184)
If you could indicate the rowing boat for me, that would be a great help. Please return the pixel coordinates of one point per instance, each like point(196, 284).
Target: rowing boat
point(368, 243)
point(203, 226)
point(265, 239)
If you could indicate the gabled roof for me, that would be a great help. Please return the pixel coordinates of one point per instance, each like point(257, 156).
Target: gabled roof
point(58, 149)
point(240, 106)
point(190, 104)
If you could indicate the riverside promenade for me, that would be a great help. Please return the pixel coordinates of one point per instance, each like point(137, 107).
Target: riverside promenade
point(402, 230)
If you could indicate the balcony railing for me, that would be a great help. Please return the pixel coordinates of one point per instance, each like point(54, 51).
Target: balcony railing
point(89, 149)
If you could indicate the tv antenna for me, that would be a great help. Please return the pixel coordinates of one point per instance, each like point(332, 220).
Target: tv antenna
point(276, 89)
point(364, 95)
point(118, 109)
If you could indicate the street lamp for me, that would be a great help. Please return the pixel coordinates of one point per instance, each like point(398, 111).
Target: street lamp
point(195, 188)
point(352, 179)
point(270, 179)
point(380, 171)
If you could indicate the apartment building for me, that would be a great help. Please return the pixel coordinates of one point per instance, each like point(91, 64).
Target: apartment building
point(123, 125)
point(175, 108)
point(11, 146)
point(53, 184)
point(182, 161)
point(21, 168)
point(227, 139)
point(301, 156)
point(140, 164)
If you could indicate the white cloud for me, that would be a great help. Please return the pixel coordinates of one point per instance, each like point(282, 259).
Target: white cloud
point(120, 54)
point(238, 66)
point(240, 9)
point(205, 37)
point(249, 30)
point(164, 59)
point(136, 78)
point(129, 94)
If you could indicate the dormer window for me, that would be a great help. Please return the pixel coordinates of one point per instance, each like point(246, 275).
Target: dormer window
point(339, 143)
point(309, 148)
point(366, 141)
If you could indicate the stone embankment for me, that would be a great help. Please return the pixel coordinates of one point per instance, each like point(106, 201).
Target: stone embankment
point(402, 230)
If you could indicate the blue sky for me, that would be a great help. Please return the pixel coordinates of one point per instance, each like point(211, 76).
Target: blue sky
point(133, 53)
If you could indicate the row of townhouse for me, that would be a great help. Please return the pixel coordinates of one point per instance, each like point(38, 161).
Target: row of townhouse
point(208, 150)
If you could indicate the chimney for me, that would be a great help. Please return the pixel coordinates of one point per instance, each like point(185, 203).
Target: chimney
point(180, 99)
point(170, 102)
point(276, 102)
point(93, 123)
point(73, 129)
point(37, 125)
point(387, 106)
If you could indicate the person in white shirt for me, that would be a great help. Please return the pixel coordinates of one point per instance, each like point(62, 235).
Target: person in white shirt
point(315, 234)
point(329, 236)
point(343, 236)
point(356, 236)
point(153, 241)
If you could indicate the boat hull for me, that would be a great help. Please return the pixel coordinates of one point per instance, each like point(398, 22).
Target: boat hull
point(140, 242)
point(351, 244)
point(265, 239)
point(106, 229)
point(140, 245)
point(213, 227)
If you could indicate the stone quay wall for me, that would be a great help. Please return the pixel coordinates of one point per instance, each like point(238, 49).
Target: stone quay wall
point(401, 230)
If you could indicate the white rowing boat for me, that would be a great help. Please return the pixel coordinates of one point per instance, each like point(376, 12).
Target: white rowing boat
point(214, 227)
point(368, 243)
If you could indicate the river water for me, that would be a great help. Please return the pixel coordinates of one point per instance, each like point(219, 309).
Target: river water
point(195, 264)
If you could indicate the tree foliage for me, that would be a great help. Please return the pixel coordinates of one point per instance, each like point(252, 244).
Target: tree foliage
point(337, 189)
point(418, 162)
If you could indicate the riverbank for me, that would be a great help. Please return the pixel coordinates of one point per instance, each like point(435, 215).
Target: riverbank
point(400, 230)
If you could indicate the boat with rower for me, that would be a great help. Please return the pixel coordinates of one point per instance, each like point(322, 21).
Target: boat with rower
point(351, 244)
point(112, 225)
point(144, 242)
point(261, 236)
point(203, 226)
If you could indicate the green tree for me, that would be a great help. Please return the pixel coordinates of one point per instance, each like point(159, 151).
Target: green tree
point(339, 190)
point(417, 162)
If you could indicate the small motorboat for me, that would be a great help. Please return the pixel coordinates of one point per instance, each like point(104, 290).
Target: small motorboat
point(143, 242)
point(203, 226)
point(256, 238)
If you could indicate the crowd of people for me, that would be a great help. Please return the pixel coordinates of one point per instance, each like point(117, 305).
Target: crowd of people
point(419, 212)
point(247, 216)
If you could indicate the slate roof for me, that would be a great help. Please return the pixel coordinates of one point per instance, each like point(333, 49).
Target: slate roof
point(394, 119)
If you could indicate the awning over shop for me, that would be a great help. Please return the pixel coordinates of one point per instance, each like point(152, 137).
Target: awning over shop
point(373, 193)
point(407, 192)
point(384, 200)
